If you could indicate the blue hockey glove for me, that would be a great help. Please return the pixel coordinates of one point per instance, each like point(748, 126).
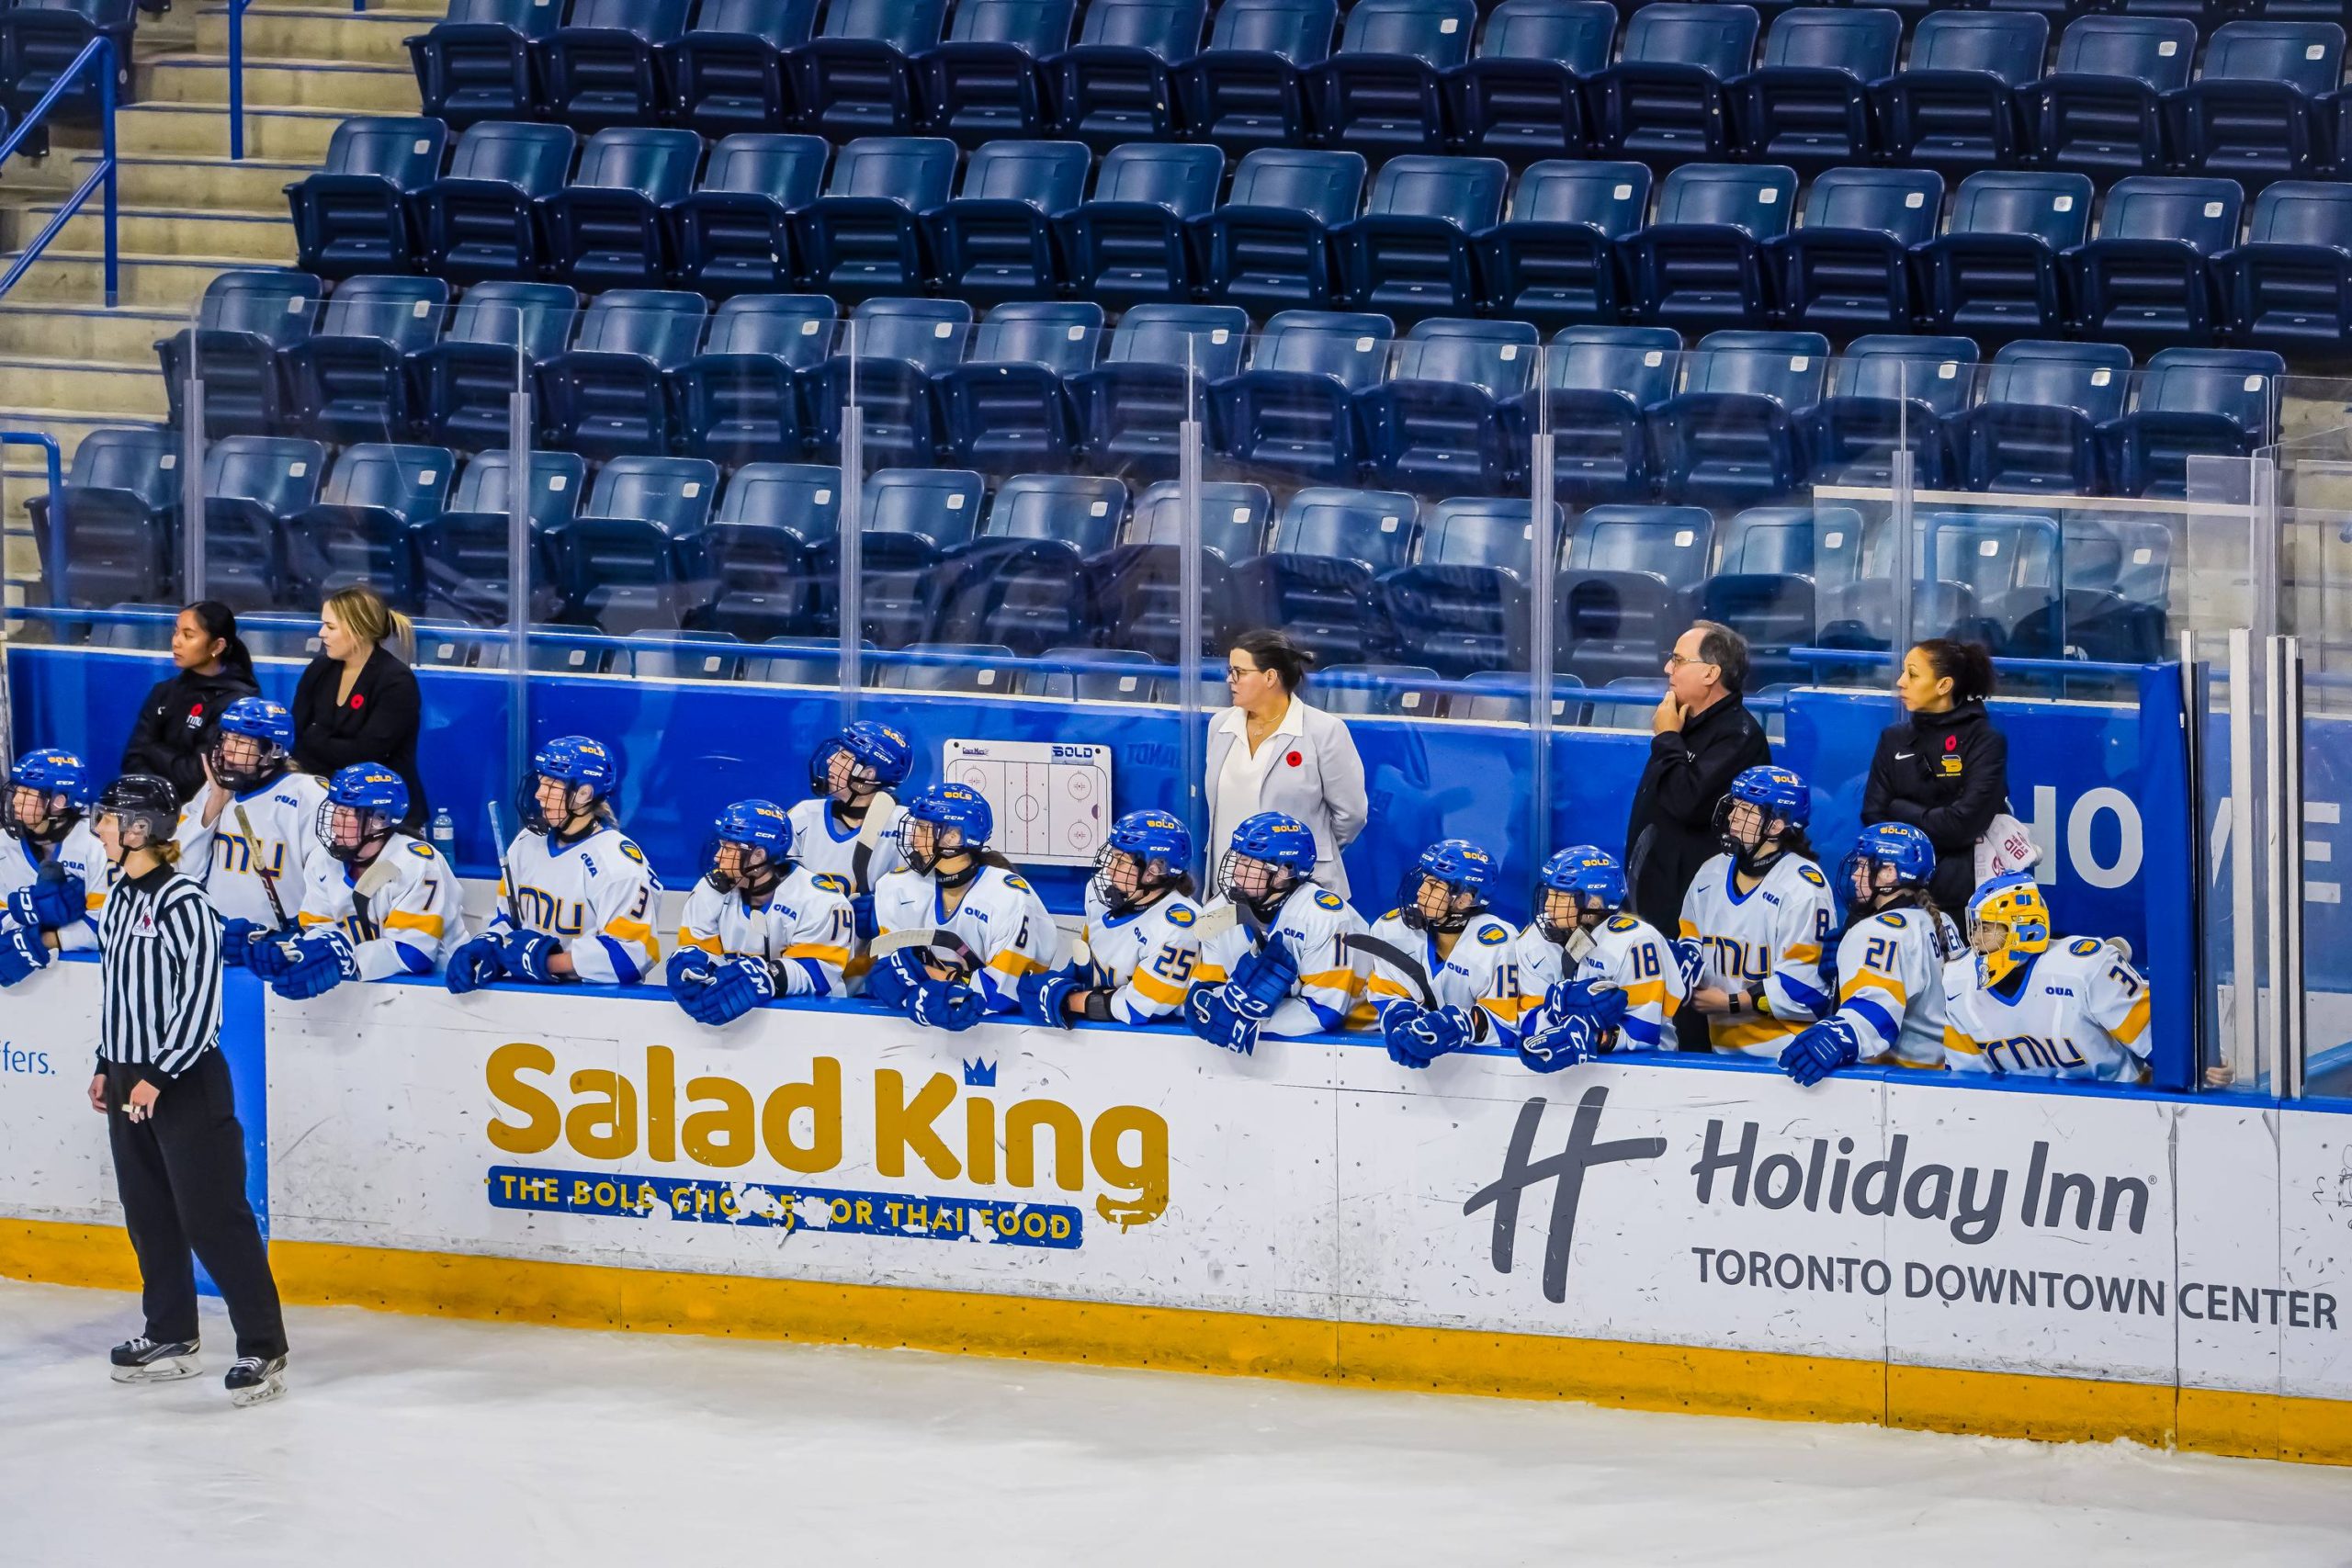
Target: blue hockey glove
point(1574, 1039)
point(1262, 979)
point(56, 899)
point(1691, 959)
point(476, 963)
point(861, 909)
point(939, 1004)
point(895, 977)
point(21, 953)
point(272, 955)
point(1423, 1038)
point(1395, 1018)
point(1821, 1050)
point(1042, 994)
point(524, 955)
point(688, 970)
point(1210, 1013)
point(321, 962)
point(1595, 1000)
point(737, 986)
point(236, 938)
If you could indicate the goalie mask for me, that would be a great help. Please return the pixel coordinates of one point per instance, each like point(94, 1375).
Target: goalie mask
point(570, 778)
point(1145, 855)
point(364, 804)
point(2008, 924)
point(944, 822)
point(253, 745)
point(1764, 806)
point(751, 848)
point(1583, 885)
point(1447, 886)
point(1890, 859)
point(145, 810)
point(863, 760)
point(1269, 855)
point(47, 790)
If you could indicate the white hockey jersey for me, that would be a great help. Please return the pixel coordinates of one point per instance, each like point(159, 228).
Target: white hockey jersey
point(1628, 953)
point(1310, 922)
point(2081, 1012)
point(1480, 975)
point(286, 853)
point(1771, 937)
point(597, 896)
point(81, 854)
point(806, 930)
point(1001, 920)
point(415, 920)
point(1146, 956)
point(820, 844)
point(1891, 985)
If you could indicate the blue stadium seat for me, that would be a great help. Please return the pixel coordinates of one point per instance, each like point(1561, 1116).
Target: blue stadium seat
point(479, 221)
point(479, 64)
point(363, 528)
point(730, 71)
point(1888, 394)
point(1729, 437)
point(1808, 104)
point(465, 383)
point(1131, 243)
point(913, 517)
point(1702, 261)
point(355, 377)
point(1245, 91)
point(1270, 241)
point(1996, 271)
point(1021, 583)
point(2100, 111)
point(1663, 101)
point(1953, 106)
point(1461, 607)
point(247, 320)
point(1624, 594)
point(252, 485)
point(2005, 561)
point(1860, 615)
point(898, 346)
point(1520, 98)
point(2288, 287)
point(1114, 85)
point(1130, 410)
point(865, 234)
point(1555, 259)
point(1847, 267)
point(854, 78)
point(1400, 691)
point(1448, 415)
point(800, 661)
point(637, 555)
point(41, 40)
point(1383, 90)
point(465, 552)
point(2036, 425)
point(995, 241)
point(974, 669)
point(2147, 278)
point(1097, 675)
point(1006, 407)
point(1409, 253)
point(1763, 585)
point(1293, 408)
point(988, 78)
point(353, 215)
point(599, 68)
point(1322, 557)
point(667, 655)
point(775, 522)
point(120, 512)
point(739, 400)
point(1599, 385)
point(2256, 112)
point(2192, 402)
point(732, 234)
point(606, 395)
point(605, 229)
point(1136, 589)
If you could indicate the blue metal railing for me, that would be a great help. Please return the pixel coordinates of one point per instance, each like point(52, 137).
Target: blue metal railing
point(100, 52)
point(237, 75)
point(56, 465)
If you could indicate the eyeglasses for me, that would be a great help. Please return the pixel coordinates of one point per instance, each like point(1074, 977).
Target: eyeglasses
point(1676, 661)
point(1235, 673)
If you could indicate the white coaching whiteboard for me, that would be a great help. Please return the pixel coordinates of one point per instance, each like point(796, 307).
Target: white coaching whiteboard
point(1052, 801)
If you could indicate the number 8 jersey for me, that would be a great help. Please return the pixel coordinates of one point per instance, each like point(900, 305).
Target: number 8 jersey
point(1771, 939)
point(2080, 1010)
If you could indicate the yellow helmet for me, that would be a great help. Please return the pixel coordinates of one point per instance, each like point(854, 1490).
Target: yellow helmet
point(2007, 923)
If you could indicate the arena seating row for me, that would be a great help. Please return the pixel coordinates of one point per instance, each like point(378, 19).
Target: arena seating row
point(1526, 79)
point(39, 39)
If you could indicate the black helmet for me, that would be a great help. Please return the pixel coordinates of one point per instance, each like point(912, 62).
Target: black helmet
point(141, 799)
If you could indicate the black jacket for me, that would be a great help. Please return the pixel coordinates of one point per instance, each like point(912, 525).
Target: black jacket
point(377, 723)
point(175, 723)
point(1947, 776)
point(1671, 833)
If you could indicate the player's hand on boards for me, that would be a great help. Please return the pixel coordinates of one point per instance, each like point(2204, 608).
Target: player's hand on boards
point(1821, 1050)
point(942, 1005)
point(475, 965)
point(50, 902)
point(1595, 1000)
point(22, 952)
point(1042, 995)
point(528, 955)
point(1210, 1013)
point(1574, 1039)
point(1262, 979)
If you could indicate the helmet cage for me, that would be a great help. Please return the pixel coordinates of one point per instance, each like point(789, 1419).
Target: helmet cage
point(1259, 884)
point(243, 763)
point(369, 831)
point(1146, 875)
point(58, 813)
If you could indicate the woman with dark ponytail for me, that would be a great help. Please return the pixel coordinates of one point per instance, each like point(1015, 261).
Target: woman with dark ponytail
point(214, 669)
point(1944, 769)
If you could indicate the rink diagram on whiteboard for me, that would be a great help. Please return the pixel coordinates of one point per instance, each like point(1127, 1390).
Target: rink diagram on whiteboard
point(1052, 801)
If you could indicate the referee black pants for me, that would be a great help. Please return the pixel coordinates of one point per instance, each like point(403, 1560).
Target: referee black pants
point(182, 1176)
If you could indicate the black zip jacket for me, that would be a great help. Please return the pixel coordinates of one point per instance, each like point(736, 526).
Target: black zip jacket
point(175, 722)
point(1947, 776)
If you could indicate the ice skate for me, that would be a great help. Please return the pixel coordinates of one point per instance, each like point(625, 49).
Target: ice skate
point(253, 1380)
point(147, 1360)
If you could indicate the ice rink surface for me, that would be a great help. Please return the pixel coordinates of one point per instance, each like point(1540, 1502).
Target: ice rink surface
point(433, 1444)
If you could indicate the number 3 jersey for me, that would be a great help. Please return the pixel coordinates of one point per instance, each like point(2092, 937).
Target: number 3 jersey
point(1146, 956)
point(806, 930)
point(1628, 953)
point(80, 854)
point(1001, 920)
point(1891, 984)
point(286, 852)
point(415, 920)
point(2080, 1010)
point(1480, 976)
point(597, 896)
point(1769, 938)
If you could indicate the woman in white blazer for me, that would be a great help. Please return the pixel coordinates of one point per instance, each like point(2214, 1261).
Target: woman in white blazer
point(1271, 751)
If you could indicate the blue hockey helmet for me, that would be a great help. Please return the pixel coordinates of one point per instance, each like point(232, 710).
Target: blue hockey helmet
point(877, 757)
point(931, 817)
point(47, 790)
point(1453, 874)
point(1151, 850)
point(1778, 796)
point(759, 834)
point(2008, 922)
point(1583, 885)
point(364, 804)
point(252, 743)
point(1887, 859)
point(1270, 854)
point(577, 762)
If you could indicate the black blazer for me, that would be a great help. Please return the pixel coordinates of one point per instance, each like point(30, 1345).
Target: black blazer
point(175, 723)
point(377, 723)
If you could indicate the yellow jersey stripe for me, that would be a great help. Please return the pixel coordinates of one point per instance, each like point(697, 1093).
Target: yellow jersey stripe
point(1013, 962)
point(700, 943)
point(837, 957)
point(1803, 952)
point(1334, 980)
point(2135, 1022)
point(1955, 1040)
point(401, 920)
point(1158, 990)
point(1886, 983)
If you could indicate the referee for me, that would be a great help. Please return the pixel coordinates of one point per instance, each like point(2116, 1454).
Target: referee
point(179, 1155)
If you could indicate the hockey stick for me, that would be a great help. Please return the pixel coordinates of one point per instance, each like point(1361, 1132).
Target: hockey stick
point(869, 840)
point(371, 882)
point(956, 951)
point(1388, 952)
point(498, 846)
point(252, 859)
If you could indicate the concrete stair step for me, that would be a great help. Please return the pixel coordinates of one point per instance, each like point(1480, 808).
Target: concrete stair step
point(125, 335)
point(298, 136)
point(78, 277)
point(254, 238)
point(190, 182)
point(280, 84)
point(134, 392)
point(292, 32)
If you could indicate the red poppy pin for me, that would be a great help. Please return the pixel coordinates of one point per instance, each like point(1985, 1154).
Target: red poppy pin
point(356, 701)
point(1293, 758)
point(1952, 742)
point(196, 711)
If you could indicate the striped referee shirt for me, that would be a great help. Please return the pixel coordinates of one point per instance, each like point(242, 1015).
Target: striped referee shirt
point(159, 945)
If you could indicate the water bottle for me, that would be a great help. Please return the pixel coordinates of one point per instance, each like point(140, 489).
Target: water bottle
point(445, 835)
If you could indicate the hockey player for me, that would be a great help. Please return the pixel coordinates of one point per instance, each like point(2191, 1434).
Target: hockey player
point(1465, 954)
point(1757, 919)
point(757, 926)
point(1890, 965)
point(383, 903)
point(2024, 1004)
point(848, 825)
point(1141, 933)
point(1281, 968)
point(987, 928)
point(50, 861)
point(577, 900)
point(1598, 978)
point(250, 837)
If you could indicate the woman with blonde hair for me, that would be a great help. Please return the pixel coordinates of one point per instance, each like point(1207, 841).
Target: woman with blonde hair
point(358, 700)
